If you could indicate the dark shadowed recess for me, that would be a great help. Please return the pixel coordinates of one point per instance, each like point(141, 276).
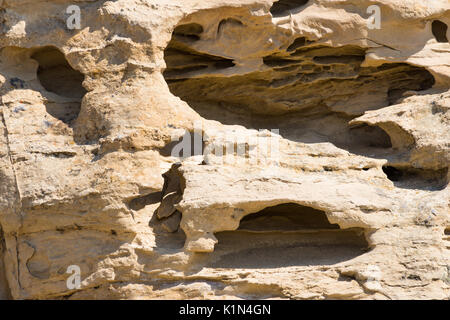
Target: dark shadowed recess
point(365, 136)
point(309, 92)
point(284, 7)
point(298, 43)
point(439, 29)
point(307, 79)
point(412, 178)
point(303, 78)
point(191, 31)
point(287, 217)
point(57, 76)
point(183, 61)
point(287, 235)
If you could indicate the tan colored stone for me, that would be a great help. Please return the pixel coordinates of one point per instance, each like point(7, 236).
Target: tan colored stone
point(350, 200)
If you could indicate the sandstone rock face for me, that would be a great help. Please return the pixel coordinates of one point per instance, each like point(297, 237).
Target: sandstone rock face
point(222, 149)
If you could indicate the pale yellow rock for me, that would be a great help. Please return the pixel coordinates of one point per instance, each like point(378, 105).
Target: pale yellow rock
point(316, 149)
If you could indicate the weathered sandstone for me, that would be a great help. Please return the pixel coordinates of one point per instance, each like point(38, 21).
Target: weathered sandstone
point(316, 149)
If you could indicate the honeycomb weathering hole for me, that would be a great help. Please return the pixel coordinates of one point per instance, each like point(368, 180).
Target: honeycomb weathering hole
point(287, 235)
point(190, 31)
point(367, 136)
point(412, 178)
point(308, 79)
point(57, 76)
point(184, 63)
point(310, 91)
point(286, 217)
point(284, 7)
point(439, 30)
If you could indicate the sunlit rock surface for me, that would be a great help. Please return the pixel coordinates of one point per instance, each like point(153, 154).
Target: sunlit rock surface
point(315, 161)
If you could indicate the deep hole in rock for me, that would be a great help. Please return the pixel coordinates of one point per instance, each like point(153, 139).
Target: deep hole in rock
point(283, 7)
point(190, 31)
point(368, 136)
point(286, 217)
point(344, 59)
point(392, 173)
point(287, 235)
point(311, 92)
point(280, 62)
point(57, 76)
point(298, 43)
point(439, 30)
point(447, 231)
point(412, 178)
point(183, 61)
point(292, 86)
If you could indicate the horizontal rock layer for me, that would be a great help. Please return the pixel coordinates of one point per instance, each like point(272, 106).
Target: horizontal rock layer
point(225, 149)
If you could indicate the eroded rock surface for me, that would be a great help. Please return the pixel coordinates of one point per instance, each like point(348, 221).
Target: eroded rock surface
point(225, 149)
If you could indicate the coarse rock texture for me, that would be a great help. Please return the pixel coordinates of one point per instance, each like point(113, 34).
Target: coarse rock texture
point(315, 159)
